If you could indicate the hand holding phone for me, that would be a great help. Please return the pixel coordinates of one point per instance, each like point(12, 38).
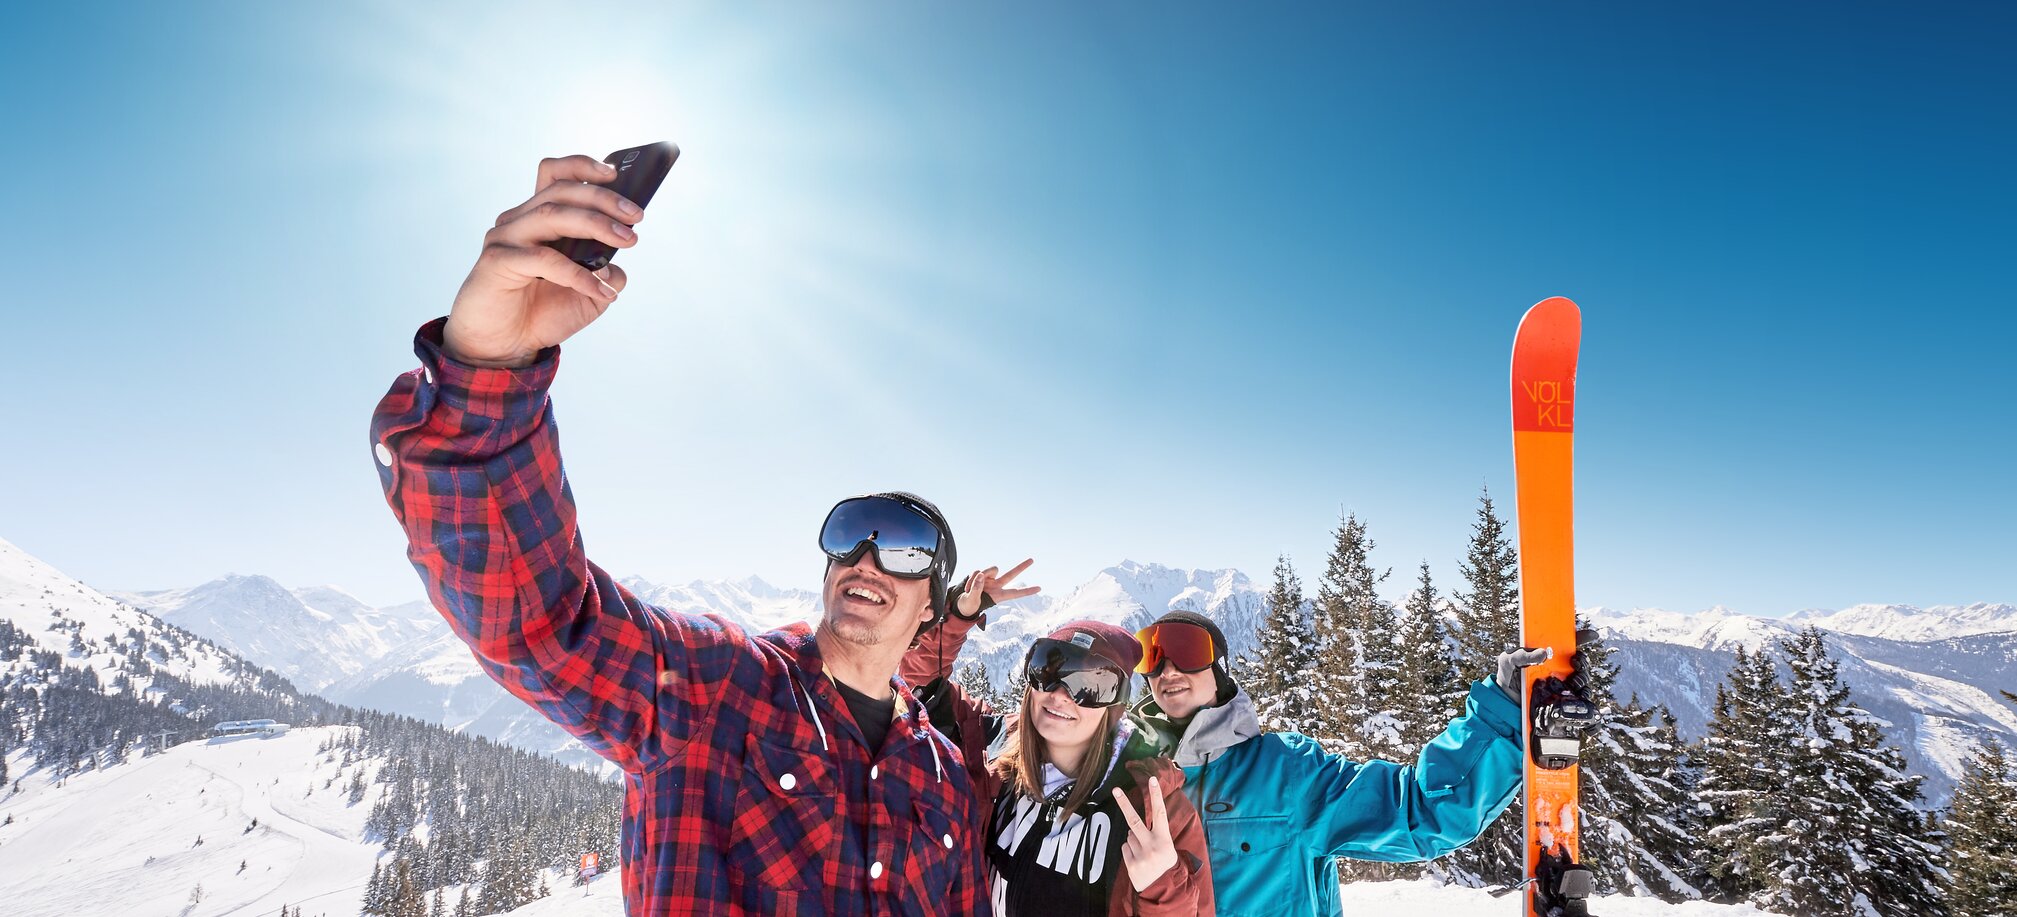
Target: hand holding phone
point(639, 170)
point(524, 294)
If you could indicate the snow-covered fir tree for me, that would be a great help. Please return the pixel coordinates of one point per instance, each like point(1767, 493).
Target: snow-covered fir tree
point(1844, 837)
point(1338, 688)
point(974, 679)
point(1809, 811)
point(508, 880)
point(1385, 697)
point(1637, 816)
point(1278, 678)
point(1488, 609)
point(1981, 830)
point(1741, 763)
point(1430, 684)
point(1488, 618)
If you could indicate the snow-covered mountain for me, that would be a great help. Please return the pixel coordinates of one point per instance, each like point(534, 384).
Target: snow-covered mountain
point(1911, 623)
point(756, 605)
point(90, 630)
point(315, 635)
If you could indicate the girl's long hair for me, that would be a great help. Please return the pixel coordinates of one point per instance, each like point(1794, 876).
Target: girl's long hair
point(1021, 763)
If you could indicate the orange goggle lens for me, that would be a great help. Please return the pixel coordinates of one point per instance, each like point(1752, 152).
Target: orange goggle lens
point(1186, 646)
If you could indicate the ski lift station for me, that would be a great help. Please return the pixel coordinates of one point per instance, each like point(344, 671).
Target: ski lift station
point(248, 728)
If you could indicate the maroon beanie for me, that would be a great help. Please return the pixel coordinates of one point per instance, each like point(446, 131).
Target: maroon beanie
point(1109, 640)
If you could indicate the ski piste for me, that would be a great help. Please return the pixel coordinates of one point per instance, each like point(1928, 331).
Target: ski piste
point(1544, 405)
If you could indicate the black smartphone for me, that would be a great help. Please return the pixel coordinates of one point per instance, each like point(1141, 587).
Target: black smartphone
point(639, 170)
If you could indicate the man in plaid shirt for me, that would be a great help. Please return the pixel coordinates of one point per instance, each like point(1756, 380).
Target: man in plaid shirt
point(789, 773)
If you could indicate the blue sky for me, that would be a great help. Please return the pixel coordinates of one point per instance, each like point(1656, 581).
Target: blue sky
point(1176, 283)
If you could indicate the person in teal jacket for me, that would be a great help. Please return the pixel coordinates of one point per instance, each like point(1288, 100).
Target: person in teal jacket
point(1278, 810)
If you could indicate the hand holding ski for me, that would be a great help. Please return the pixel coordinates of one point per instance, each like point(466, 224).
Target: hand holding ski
point(523, 295)
point(1510, 676)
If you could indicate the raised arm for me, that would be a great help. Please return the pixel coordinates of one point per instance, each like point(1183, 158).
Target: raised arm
point(1458, 784)
point(937, 649)
point(469, 460)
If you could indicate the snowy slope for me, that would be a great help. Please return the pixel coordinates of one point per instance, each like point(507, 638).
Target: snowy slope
point(91, 630)
point(314, 636)
point(123, 840)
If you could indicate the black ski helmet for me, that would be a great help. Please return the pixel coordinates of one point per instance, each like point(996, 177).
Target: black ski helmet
point(1220, 670)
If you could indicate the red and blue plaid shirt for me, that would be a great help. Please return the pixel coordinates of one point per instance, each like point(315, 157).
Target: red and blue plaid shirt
point(748, 786)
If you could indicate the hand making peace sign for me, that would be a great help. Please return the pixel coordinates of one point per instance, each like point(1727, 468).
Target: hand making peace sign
point(995, 587)
point(1149, 851)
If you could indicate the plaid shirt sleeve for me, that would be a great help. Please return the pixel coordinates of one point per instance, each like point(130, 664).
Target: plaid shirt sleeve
point(470, 462)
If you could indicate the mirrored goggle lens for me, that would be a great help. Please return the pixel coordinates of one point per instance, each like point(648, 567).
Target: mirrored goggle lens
point(1186, 646)
point(905, 542)
point(1089, 679)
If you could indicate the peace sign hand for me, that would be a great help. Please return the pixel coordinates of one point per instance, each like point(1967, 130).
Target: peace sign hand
point(1149, 851)
point(995, 585)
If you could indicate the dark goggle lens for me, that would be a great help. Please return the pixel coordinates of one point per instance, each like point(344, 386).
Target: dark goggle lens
point(1089, 679)
point(905, 542)
point(1186, 646)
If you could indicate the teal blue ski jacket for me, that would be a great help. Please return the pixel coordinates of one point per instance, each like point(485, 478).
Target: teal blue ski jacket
point(1278, 809)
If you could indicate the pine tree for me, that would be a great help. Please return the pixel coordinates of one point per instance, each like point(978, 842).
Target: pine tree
point(1842, 834)
point(1488, 619)
point(1637, 829)
point(1338, 688)
point(1430, 683)
point(1740, 757)
point(375, 899)
point(1488, 611)
point(974, 679)
point(464, 906)
point(1279, 675)
point(1982, 836)
point(1384, 697)
point(405, 899)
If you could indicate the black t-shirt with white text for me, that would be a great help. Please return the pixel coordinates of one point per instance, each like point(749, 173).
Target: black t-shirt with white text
point(1043, 869)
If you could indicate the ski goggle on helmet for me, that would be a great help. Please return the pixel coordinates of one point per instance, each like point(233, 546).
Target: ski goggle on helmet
point(1184, 645)
point(1092, 680)
point(907, 543)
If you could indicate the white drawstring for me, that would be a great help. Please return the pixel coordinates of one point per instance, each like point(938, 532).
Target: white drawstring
point(937, 766)
point(813, 709)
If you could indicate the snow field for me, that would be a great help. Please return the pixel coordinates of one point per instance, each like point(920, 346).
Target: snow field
point(124, 840)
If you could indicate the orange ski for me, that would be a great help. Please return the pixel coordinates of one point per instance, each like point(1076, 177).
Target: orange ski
point(1544, 423)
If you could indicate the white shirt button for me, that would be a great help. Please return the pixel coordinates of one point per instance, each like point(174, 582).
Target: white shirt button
point(427, 373)
point(875, 870)
point(948, 842)
point(384, 455)
point(787, 781)
point(874, 771)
